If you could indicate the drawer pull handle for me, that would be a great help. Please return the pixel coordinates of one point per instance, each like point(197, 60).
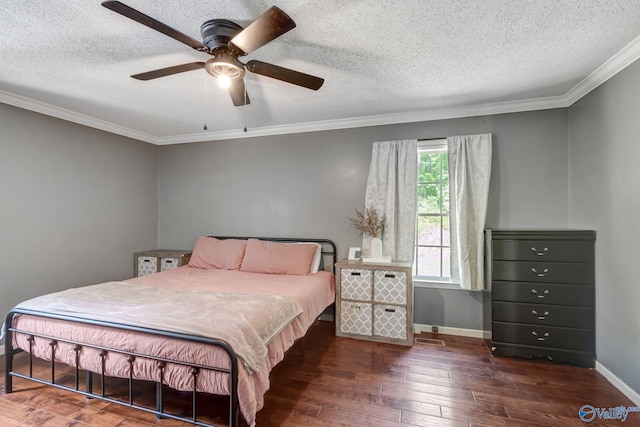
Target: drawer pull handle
point(357, 307)
point(544, 294)
point(542, 317)
point(537, 252)
point(390, 276)
point(390, 310)
point(168, 261)
point(146, 260)
point(544, 272)
point(355, 273)
point(542, 338)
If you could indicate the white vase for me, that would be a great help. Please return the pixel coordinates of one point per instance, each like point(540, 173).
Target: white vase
point(375, 247)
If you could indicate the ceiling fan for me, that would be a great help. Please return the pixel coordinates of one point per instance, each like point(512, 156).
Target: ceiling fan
point(225, 41)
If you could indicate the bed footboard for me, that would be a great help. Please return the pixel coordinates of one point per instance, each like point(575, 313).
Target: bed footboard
point(132, 357)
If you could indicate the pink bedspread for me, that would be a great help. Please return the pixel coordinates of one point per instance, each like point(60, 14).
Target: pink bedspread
point(313, 293)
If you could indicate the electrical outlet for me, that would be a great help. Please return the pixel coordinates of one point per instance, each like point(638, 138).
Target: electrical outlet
point(434, 329)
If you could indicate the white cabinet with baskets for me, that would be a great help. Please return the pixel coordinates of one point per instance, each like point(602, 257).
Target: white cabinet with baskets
point(374, 302)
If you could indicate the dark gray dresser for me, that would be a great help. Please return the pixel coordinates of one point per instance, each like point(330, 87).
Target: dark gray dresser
point(542, 294)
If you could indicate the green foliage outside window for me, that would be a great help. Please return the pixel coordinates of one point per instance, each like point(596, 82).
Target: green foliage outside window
point(433, 185)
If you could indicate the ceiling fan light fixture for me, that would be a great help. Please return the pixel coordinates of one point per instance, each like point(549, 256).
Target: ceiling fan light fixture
point(226, 67)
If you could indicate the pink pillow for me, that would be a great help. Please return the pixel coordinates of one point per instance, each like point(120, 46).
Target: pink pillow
point(213, 253)
point(277, 258)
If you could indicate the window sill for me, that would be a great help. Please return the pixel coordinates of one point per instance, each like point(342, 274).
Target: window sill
point(422, 283)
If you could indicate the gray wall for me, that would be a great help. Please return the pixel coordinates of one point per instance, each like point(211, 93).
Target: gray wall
point(604, 148)
point(307, 185)
point(75, 203)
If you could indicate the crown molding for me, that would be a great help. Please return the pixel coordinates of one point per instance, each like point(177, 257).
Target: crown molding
point(377, 120)
point(610, 68)
point(618, 62)
point(72, 116)
point(347, 123)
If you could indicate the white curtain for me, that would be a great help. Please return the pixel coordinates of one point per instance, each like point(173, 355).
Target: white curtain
point(391, 189)
point(469, 176)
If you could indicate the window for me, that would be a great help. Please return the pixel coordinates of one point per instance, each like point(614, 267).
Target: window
point(433, 247)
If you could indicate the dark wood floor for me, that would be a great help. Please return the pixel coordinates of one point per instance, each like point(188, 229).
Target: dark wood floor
point(345, 382)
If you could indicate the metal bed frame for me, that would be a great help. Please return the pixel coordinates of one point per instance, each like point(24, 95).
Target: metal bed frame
point(160, 362)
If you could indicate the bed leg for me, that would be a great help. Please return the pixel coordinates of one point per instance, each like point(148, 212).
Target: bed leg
point(159, 405)
point(8, 368)
point(8, 355)
point(89, 382)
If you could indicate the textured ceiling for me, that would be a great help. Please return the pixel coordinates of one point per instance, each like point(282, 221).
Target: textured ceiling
point(383, 61)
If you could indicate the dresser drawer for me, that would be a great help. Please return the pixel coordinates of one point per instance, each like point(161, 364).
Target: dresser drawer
point(390, 287)
point(355, 318)
point(390, 321)
point(574, 357)
point(543, 336)
point(548, 272)
point(356, 284)
point(543, 250)
point(543, 314)
point(552, 293)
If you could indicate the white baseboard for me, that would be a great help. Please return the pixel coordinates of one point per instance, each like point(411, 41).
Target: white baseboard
point(1, 350)
point(447, 330)
point(618, 383)
point(327, 317)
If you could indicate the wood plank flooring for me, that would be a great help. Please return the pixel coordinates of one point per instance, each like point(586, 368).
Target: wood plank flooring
point(344, 382)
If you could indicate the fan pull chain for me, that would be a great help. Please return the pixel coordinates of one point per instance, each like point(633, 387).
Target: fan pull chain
point(205, 102)
point(244, 108)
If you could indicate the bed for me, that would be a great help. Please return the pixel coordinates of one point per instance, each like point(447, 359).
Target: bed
point(216, 326)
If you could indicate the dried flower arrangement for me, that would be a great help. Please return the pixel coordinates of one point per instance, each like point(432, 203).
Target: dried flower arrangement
point(369, 222)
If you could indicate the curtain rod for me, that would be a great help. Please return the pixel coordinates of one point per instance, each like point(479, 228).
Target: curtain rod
point(432, 139)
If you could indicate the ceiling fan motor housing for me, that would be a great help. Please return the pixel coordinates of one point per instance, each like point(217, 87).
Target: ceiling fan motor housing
point(217, 33)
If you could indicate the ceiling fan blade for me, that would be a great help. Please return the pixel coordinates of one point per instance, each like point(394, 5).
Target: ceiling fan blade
point(285, 74)
point(154, 24)
point(162, 72)
point(238, 93)
point(271, 24)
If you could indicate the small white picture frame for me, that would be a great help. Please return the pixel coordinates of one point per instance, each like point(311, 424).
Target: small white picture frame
point(354, 254)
